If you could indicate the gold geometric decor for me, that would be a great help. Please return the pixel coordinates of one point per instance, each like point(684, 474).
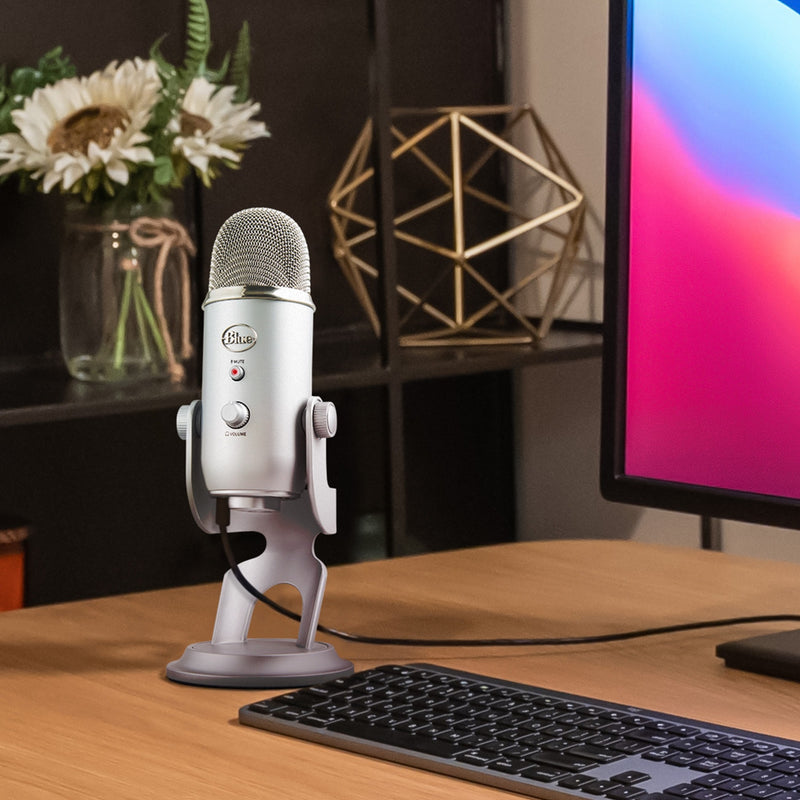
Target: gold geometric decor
point(454, 222)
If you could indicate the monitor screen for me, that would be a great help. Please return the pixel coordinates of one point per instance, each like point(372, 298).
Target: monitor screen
point(702, 315)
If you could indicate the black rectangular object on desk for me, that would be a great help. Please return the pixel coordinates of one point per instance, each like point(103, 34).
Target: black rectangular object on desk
point(776, 654)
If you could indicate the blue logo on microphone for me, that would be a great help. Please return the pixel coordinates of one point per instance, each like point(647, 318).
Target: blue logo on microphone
point(239, 338)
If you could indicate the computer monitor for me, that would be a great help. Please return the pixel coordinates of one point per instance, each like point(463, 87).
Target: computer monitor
point(702, 314)
point(701, 393)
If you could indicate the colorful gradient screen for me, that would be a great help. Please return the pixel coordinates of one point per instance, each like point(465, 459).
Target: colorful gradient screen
point(713, 313)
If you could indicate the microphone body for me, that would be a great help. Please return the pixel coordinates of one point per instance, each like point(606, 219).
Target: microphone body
point(256, 381)
point(257, 350)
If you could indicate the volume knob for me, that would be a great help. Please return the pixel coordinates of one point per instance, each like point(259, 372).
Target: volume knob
point(235, 414)
point(182, 421)
point(325, 420)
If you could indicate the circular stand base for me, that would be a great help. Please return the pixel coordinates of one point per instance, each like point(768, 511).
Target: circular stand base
point(258, 664)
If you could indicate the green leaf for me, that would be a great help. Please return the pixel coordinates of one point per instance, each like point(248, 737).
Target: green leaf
point(165, 69)
point(218, 75)
point(24, 80)
point(53, 66)
point(240, 67)
point(6, 123)
point(107, 185)
point(93, 180)
point(163, 173)
point(198, 40)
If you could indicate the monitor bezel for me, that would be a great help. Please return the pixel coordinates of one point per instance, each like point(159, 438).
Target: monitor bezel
point(615, 484)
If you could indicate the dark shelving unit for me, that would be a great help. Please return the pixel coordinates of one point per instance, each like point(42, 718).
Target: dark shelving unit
point(99, 469)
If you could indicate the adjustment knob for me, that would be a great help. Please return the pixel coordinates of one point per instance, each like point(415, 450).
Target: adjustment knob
point(182, 422)
point(235, 414)
point(325, 420)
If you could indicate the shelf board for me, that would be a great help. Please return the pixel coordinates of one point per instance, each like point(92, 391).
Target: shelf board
point(39, 390)
point(351, 359)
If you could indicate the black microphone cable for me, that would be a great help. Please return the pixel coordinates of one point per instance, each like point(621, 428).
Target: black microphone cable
point(223, 521)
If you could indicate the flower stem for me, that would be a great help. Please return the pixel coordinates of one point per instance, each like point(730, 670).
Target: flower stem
point(148, 321)
point(138, 301)
point(124, 310)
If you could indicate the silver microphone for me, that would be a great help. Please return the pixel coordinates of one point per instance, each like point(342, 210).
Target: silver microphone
point(257, 353)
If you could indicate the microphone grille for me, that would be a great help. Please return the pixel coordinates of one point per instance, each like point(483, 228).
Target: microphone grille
point(260, 247)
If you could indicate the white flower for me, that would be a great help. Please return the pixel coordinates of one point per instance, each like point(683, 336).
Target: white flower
point(212, 126)
point(77, 125)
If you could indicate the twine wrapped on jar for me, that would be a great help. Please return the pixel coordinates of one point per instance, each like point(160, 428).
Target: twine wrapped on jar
point(174, 249)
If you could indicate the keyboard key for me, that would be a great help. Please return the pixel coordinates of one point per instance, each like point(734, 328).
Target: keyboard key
point(512, 766)
point(661, 725)
point(682, 759)
point(266, 706)
point(766, 761)
point(739, 786)
point(737, 770)
point(377, 733)
point(711, 749)
point(543, 773)
point(300, 699)
point(478, 758)
point(710, 794)
point(412, 725)
point(788, 768)
point(630, 748)
point(566, 761)
point(600, 787)
point(625, 792)
point(630, 777)
point(316, 721)
point(710, 780)
point(659, 754)
point(736, 755)
point(575, 781)
point(764, 776)
point(603, 740)
point(684, 730)
point(601, 755)
point(658, 796)
point(289, 713)
point(708, 765)
point(557, 731)
point(762, 792)
point(651, 736)
point(737, 742)
point(519, 751)
point(682, 790)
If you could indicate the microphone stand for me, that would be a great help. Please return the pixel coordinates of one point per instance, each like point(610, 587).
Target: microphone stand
point(290, 528)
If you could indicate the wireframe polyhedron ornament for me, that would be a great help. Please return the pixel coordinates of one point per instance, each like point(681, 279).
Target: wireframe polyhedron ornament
point(453, 222)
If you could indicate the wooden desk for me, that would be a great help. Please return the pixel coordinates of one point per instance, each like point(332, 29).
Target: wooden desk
point(86, 712)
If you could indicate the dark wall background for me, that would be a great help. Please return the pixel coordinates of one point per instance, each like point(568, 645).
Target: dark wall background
point(105, 496)
point(310, 74)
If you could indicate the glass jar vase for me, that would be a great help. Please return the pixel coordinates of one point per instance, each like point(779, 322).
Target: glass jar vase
point(125, 293)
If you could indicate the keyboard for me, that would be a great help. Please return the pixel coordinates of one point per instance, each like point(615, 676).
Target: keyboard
point(529, 740)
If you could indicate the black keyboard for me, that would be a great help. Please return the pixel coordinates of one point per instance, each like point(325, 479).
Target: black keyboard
point(529, 740)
